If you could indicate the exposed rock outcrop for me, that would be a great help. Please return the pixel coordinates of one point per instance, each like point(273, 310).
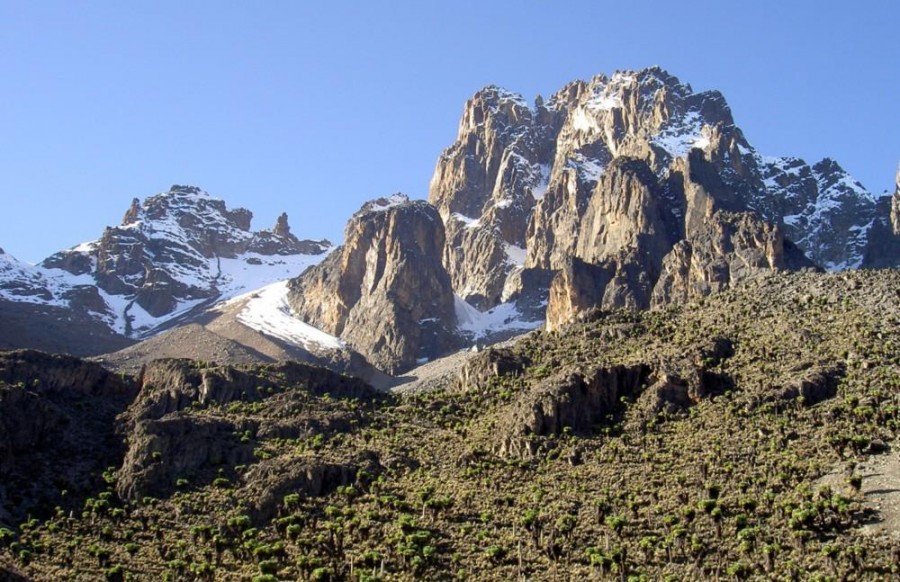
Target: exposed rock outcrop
point(577, 288)
point(478, 371)
point(166, 443)
point(385, 291)
point(575, 402)
point(268, 482)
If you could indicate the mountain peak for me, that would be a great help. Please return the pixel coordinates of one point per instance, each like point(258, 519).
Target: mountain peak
point(187, 190)
point(385, 203)
point(495, 94)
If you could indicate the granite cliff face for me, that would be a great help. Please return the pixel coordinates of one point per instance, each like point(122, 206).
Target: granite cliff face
point(485, 187)
point(385, 291)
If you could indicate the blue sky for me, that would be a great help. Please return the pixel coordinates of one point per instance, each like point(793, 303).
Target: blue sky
point(314, 107)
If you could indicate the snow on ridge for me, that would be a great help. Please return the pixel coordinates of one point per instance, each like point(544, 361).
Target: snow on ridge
point(603, 96)
point(469, 222)
point(268, 311)
point(507, 95)
point(477, 324)
point(680, 138)
point(382, 204)
point(604, 102)
point(843, 184)
point(623, 77)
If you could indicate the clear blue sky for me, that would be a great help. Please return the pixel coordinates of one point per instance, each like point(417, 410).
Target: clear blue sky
point(314, 107)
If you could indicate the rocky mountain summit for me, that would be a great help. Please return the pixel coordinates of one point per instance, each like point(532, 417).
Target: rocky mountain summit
point(522, 176)
point(167, 254)
point(637, 191)
point(174, 254)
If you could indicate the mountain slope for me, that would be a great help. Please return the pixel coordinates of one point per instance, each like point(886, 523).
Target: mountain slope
point(735, 437)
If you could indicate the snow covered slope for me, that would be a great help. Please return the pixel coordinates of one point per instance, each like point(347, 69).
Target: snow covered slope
point(267, 311)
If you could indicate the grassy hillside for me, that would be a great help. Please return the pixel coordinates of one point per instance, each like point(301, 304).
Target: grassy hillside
point(731, 438)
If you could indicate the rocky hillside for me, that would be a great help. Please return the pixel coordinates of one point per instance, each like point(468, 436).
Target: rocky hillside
point(563, 455)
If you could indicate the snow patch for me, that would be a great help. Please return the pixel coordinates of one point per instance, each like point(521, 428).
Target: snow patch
point(469, 222)
point(253, 270)
point(515, 255)
point(506, 95)
point(477, 324)
point(604, 102)
point(679, 139)
point(587, 168)
point(267, 311)
point(539, 190)
point(383, 204)
point(581, 121)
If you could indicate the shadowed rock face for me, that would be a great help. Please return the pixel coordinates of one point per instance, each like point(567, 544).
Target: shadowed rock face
point(165, 443)
point(883, 250)
point(385, 291)
point(55, 412)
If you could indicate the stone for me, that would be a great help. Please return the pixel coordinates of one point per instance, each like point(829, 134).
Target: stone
point(385, 291)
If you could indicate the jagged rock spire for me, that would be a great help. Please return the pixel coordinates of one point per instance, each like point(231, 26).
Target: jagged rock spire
point(282, 228)
point(131, 215)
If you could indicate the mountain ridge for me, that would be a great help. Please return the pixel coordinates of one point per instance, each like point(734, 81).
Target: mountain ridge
point(628, 190)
